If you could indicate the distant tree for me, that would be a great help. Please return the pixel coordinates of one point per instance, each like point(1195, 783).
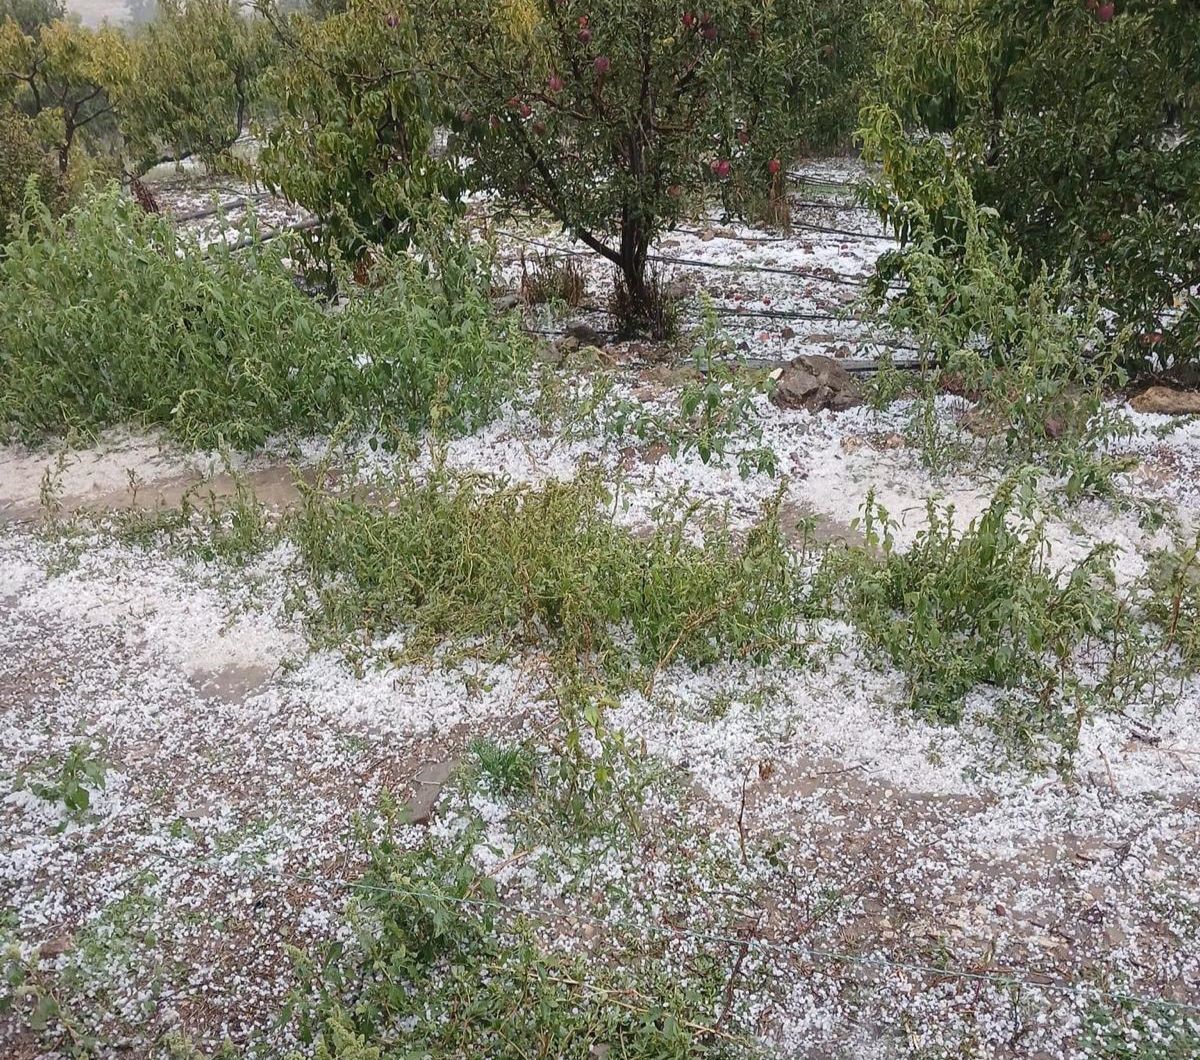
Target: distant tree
point(61, 74)
point(141, 11)
point(353, 137)
point(31, 15)
point(193, 78)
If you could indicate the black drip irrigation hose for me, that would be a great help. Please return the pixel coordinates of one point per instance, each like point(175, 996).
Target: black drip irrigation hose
point(224, 207)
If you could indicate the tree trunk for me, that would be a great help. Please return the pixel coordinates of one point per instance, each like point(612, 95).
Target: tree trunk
point(638, 309)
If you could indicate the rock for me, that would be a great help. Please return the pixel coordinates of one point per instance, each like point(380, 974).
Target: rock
point(1167, 402)
point(428, 783)
point(814, 383)
point(504, 302)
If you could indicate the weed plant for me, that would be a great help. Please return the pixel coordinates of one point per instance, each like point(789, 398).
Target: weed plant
point(460, 558)
point(716, 417)
point(559, 281)
point(1173, 600)
point(108, 315)
point(71, 780)
point(983, 607)
point(439, 968)
point(1030, 351)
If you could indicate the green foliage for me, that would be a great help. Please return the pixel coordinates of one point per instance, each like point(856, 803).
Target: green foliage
point(194, 77)
point(617, 118)
point(108, 315)
point(70, 780)
point(353, 138)
point(715, 417)
point(1173, 601)
point(509, 769)
point(450, 557)
point(1080, 132)
point(844, 43)
point(980, 607)
point(62, 75)
point(23, 158)
point(1026, 344)
point(31, 15)
point(437, 968)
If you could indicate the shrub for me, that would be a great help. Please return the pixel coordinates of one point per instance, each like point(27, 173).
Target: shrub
point(1078, 126)
point(1027, 345)
point(107, 315)
point(980, 607)
point(452, 558)
point(23, 158)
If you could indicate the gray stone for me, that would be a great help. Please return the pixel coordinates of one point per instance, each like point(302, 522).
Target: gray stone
point(814, 382)
point(427, 790)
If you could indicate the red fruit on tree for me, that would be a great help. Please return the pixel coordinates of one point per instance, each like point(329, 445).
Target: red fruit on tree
point(556, 83)
point(393, 21)
point(584, 35)
point(773, 166)
point(689, 20)
point(1105, 12)
point(722, 168)
point(583, 21)
point(526, 110)
point(601, 65)
point(743, 136)
point(709, 33)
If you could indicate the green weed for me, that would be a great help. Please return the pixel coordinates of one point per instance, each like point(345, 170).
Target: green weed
point(1173, 599)
point(982, 607)
point(71, 780)
point(509, 769)
point(108, 315)
point(457, 558)
point(716, 417)
point(438, 968)
point(1029, 350)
